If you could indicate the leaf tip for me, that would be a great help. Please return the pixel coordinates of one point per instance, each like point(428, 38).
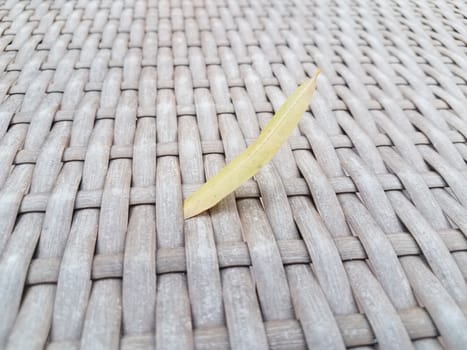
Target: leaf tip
point(311, 83)
point(314, 79)
point(188, 212)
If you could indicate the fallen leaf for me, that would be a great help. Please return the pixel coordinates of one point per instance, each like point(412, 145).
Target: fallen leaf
point(250, 161)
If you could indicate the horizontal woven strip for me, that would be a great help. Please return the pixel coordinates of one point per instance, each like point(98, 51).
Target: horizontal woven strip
point(170, 260)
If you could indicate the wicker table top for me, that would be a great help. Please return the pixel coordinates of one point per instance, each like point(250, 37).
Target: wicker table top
point(113, 111)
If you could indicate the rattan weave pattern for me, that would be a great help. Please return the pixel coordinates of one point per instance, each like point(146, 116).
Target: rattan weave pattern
point(112, 111)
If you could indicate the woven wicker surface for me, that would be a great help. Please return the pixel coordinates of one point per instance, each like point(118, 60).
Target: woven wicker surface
point(113, 111)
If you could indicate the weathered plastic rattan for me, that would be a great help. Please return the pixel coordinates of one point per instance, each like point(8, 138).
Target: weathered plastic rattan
point(113, 111)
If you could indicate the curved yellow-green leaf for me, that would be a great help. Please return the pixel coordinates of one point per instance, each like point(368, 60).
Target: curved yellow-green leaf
point(247, 164)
